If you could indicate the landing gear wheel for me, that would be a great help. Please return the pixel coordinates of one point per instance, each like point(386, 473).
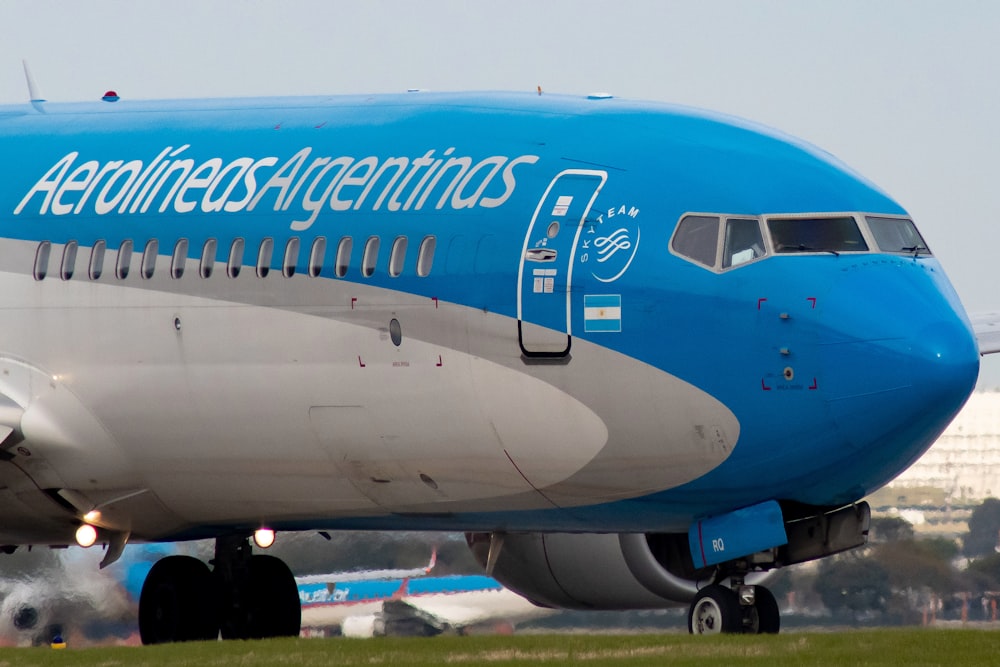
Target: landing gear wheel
point(764, 617)
point(274, 606)
point(715, 610)
point(267, 602)
point(177, 602)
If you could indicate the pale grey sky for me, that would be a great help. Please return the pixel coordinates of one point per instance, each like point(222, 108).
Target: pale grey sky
point(905, 91)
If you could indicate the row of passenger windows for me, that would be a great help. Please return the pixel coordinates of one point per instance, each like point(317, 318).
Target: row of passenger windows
point(723, 242)
point(234, 263)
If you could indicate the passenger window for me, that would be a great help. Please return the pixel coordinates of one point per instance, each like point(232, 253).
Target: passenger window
point(697, 238)
point(486, 253)
point(458, 256)
point(425, 256)
point(397, 258)
point(124, 259)
point(42, 260)
point(795, 235)
point(369, 260)
point(208, 258)
point(97, 259)
point(235, 258)
point(744, 242)
point(149, 258)
point(264, 257)
point(291, 257)
point(179, 260)
point(68, 260)
point(897, 235)
point(344, 256)
point(316, 256)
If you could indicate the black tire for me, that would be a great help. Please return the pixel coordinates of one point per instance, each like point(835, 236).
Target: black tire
point(270, 602)
point(275, 609)
point(766, 617)
point(177, 603)
point(714, 610)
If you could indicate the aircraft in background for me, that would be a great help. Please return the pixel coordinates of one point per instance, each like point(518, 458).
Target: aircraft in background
point(409, 607)
point(638, 353)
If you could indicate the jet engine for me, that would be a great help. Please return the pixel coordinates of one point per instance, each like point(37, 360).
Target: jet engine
point(655, 570)
point(590, 571)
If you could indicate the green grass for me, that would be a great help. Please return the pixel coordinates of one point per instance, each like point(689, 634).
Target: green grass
point(867, 647)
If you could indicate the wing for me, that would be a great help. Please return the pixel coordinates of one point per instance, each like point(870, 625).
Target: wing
point(459, 610)
point(987, 329)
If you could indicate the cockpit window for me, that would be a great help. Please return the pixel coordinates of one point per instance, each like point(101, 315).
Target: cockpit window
point(897, 235)
point(744, 242)
point(697, 238)
point(800, 235)
point(721, 242)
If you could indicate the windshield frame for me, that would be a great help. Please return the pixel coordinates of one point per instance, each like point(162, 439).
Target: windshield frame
point(819, 248)
point(921, 250)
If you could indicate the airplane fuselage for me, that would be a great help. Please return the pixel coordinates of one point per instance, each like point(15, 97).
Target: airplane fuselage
point(457, 312)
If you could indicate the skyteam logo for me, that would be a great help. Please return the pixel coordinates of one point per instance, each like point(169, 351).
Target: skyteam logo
point(611, 242)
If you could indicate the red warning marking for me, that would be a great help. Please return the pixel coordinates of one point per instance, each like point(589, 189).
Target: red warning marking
point(701, 544)
point(440, 363)
point(320, 125)
point(814, 385)
point(278, 126)
point(812, 299)
point(760, 301)
point(354, 300)
point(764, 386)
point(360, 363)
point(435, 300)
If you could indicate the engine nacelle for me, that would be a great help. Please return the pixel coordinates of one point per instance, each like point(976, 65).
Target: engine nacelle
point(587, 571)
point(656, 570)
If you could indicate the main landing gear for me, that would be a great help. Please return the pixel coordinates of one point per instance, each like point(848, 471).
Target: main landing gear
point(743, 609)
point(244, 597)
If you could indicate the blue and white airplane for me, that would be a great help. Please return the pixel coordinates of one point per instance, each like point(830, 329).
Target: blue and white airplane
point(639, 353)
point(408, 606)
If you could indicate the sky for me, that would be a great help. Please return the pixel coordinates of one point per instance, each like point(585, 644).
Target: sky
point(904, 91)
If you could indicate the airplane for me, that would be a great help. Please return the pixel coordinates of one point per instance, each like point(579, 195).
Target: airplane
point(639, 353)
point(422, 606)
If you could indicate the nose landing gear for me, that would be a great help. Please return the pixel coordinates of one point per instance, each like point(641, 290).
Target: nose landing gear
point(717, 609)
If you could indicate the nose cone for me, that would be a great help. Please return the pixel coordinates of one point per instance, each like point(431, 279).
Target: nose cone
point(945, 362)
point(900, 361)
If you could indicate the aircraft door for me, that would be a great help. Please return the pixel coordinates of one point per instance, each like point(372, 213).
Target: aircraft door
point(545, 277)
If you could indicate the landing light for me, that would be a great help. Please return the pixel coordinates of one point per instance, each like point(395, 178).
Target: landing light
point(93, 516)
point(86, 535)
point(263, 537)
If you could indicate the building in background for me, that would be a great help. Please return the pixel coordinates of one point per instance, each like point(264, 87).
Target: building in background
point(961, 470)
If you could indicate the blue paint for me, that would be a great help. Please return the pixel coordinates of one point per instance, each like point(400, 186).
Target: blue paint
point(736, 534)
point(878, 371)
point(372, 590)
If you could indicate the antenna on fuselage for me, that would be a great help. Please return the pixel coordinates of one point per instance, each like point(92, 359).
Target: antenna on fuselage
point(35, 98)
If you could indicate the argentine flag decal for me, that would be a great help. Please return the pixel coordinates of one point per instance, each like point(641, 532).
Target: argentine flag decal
point(602, 312)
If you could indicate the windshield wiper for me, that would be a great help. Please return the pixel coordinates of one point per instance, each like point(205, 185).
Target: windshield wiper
point(915, 249)
point(805, 248)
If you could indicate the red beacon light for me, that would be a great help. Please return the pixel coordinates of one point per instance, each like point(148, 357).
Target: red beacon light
point(111, 96)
